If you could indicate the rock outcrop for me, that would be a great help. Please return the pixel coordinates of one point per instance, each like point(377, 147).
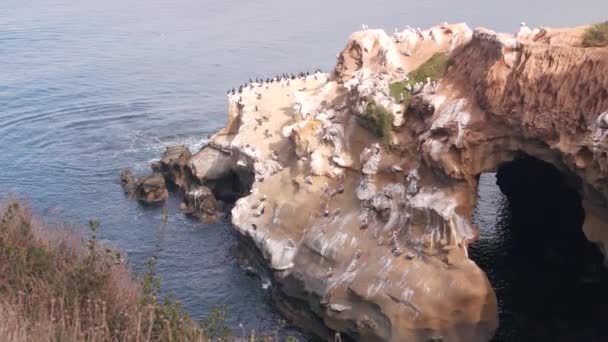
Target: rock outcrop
point(357, 187)
point(148, 189)
point(174, 165)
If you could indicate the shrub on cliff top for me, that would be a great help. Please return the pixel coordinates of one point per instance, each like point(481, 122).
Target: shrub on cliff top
point(596, 35)
point(433, 69)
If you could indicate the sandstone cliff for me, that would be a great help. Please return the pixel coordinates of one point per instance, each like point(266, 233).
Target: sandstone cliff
point(363, 181)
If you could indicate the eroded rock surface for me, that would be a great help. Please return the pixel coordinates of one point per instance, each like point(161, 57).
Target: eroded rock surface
point(367, 235)
point(148, 189)
point(174, 165)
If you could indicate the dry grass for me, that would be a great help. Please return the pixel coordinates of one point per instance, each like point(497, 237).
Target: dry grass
point(56, 286)
point(596, 35)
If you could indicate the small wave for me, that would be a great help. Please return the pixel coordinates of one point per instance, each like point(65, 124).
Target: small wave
point(154, 144)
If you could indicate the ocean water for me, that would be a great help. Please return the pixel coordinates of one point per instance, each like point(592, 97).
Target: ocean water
point(89, 87)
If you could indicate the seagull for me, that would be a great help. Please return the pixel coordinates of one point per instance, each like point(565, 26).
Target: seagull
point(523, 30)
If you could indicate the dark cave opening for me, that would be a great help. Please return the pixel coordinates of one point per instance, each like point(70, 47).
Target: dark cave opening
point(549, 279)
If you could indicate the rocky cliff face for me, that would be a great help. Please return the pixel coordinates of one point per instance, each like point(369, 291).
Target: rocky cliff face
point(362, 182)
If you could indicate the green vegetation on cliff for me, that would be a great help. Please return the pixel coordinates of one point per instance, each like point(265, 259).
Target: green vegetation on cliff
point(432, 69)
point(380, 121)
point(596, 35)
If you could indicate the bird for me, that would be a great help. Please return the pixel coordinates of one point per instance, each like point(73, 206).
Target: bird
point(523, 30)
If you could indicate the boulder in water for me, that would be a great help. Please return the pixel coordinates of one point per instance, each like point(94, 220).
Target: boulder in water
point(174, 165)
point(148, 189)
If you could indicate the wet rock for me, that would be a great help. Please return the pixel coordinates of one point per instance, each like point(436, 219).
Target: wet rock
point(148, 189)
point(151, 189)
point(174, 165)
point(128, 182)
point(200, 202)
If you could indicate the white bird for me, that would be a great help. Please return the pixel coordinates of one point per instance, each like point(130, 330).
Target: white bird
point(523, 31)
point(444, 25)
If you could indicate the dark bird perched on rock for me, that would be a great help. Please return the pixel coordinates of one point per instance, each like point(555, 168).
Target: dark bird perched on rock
point(240, 89)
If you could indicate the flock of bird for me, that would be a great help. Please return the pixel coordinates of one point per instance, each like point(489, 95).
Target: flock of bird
point(259, 82)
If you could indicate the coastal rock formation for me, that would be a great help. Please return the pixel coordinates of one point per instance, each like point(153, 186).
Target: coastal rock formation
point(357, 187)
point(174, 165)
point(148, 189)
point(199, 201)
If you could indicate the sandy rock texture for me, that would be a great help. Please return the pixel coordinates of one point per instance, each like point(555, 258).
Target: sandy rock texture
point(367, 235)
